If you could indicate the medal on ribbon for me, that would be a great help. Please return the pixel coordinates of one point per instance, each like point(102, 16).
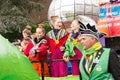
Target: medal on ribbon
point(75, 41)
point(57, 41)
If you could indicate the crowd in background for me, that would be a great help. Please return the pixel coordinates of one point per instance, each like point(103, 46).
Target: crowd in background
point(65, 46)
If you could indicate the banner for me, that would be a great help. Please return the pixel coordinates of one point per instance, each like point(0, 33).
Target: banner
point(109, 19)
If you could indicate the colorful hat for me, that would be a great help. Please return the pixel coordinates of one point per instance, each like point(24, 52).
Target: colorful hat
point(88, 27)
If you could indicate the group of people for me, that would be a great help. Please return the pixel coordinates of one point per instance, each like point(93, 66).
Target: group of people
point(96, 62)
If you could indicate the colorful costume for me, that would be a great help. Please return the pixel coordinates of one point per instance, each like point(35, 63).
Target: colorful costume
point(72, 49)
point(100, 64)
point(97, 63)
point(40, 54)
point(58, 69)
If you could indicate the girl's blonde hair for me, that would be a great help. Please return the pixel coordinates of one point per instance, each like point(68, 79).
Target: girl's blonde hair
point(41, 26)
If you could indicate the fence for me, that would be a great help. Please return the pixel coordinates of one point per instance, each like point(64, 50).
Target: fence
point(55, 60)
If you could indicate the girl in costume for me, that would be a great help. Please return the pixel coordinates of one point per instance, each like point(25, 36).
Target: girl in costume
point(26, 39)
point(27, 32)
point(56, 39)
point(72, 47)
point(37, 50)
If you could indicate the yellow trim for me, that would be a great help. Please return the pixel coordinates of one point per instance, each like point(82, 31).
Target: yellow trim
point(75, 41)
point(97, 46)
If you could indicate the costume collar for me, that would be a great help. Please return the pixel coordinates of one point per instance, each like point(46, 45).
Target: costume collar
point(93, 49)
point(60, 34)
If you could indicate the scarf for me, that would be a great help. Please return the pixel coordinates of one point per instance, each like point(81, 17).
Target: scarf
point(90, 54)
point(97, 46)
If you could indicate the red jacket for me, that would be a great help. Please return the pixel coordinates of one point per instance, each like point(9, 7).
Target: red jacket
point(51, 42)
point(41, 55)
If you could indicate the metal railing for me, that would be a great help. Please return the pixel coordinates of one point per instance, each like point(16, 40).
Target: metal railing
point(49, 61)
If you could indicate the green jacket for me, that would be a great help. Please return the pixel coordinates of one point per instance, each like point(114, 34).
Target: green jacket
point(69, 48)
point(100, 69)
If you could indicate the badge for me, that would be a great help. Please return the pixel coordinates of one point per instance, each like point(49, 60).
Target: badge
point(98, 68)
point(57, 41)
point(96, 60)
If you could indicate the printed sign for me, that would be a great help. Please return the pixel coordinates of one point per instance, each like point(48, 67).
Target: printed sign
point(109, 19)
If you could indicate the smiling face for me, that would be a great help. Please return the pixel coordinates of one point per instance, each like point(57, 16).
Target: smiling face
point(75, 25)
point(39, 33)
point(87, 41)
point(26, 33)
point(57, 24)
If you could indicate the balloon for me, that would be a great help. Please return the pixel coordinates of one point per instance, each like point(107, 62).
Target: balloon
point(14, 65)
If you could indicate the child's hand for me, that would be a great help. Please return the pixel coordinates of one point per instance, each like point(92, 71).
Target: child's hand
point(48, 51)
point(66, 58)
point(32, 53)
point(62, 48)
